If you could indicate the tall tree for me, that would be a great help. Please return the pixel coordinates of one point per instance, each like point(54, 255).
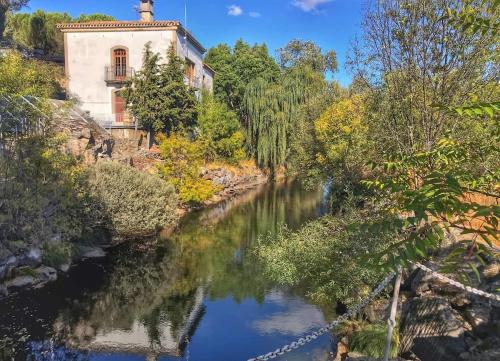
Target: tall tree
point(39, 29)
point(414, 57)
point(307, 53)
point(270, 108)
point(7, 6)
point(157, 95)
point(235, 67)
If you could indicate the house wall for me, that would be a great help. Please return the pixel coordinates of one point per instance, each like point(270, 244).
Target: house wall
point(89, 52)
point(193, 54)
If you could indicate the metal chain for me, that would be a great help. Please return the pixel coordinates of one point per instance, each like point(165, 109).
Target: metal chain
point(313, 336)
point(457, 284)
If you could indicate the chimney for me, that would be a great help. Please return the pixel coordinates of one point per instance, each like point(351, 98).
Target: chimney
point(146, 10)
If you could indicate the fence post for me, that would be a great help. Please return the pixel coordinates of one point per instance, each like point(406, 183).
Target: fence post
point(391, 322)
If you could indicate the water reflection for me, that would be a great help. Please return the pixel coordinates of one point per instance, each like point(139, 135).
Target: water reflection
point(198, 294)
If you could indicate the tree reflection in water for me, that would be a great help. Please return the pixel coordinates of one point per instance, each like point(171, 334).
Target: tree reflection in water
point(149, 302)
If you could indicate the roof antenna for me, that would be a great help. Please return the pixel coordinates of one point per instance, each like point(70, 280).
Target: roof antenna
point(186, 27)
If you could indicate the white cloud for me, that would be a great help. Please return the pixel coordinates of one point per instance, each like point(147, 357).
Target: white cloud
point(309, 5)
point(234, 10)
point(254, 14)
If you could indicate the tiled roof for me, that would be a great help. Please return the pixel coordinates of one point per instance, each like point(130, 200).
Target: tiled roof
point(118, 25)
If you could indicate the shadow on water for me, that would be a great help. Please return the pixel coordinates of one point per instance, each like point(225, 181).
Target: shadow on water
point(198, 295)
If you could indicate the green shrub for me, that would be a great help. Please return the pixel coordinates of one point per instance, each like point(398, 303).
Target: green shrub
point(369, 340)
point(183, 160)
point(55, 255)
point(136, 203)
point(220, 129)
point(325, 257)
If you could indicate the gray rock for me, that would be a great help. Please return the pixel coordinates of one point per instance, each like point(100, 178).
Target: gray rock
point(4, 292)
point(64, 267)
point(489, 355)
point(7, 265)
point(432, 329)
point(32, 258)
point(46, 274)
point(92, 252)
point(21, 282)
point(478, 314)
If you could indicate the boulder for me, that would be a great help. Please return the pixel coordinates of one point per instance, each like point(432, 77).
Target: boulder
point(21, 282)
point(6, 265)
point(4, 292)
point(46, 274)
point(490, 355)
point(64, 267)
point(478, 314)
point(432, 329)
point(32, 258)
point(92, 252)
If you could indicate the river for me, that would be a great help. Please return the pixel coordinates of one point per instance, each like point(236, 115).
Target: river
point(195, 295)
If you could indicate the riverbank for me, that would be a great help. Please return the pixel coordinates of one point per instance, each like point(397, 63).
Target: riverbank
point(26, 269)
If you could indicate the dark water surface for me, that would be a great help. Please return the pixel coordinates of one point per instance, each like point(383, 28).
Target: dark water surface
point(196, 296)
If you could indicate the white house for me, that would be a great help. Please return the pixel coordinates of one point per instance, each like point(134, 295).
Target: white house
point(100, 56)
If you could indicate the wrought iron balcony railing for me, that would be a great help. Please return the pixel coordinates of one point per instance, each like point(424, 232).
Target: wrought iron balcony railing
point(118, 74)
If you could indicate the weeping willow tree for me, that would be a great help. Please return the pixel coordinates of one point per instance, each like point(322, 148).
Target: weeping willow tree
point(271, 106)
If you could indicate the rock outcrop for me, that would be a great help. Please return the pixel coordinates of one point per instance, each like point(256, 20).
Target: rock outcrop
point(86, 139)
point(441, 322)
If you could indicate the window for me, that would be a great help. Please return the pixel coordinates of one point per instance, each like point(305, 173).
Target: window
point(120, 63)
point(190, 71)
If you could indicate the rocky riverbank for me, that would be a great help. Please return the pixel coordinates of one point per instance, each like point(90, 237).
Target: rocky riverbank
point(26, 267)
point(439, 322)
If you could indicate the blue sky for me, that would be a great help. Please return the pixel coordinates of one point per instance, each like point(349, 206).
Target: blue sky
point(330, 23)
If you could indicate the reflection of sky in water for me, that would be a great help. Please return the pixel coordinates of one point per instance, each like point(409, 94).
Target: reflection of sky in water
point(297, 318)
point(243, 315)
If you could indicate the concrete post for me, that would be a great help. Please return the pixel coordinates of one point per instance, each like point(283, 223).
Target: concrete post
point(391, 322)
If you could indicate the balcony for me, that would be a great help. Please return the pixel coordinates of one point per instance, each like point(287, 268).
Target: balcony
point(118, 74)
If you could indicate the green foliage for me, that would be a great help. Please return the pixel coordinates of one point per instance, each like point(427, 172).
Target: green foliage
point(433, 190)
point(471, 18)
point(135, 203)
point(24, 77)
point(298, 53)
point(369, 340)
point(220, 129)
point(270, 108)
point(38, 192)
point(56, 254)
point(324, 257)
point(7, 6)
point(157, 95)
point(83, 18)
point(235, 67)
point(183, 160)
point(38, 30)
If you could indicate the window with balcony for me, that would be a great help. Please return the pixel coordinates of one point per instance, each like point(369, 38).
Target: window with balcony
point(120, 63)
point(119, 71)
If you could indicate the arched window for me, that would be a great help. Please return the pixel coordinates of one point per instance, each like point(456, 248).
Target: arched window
point(120, 63)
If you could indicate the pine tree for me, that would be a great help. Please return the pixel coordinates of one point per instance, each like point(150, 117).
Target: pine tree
point(142, 93)
point(157, 95)
point(179, 101)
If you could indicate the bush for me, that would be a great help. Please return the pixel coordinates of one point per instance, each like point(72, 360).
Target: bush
point(183, 160)
point(324, 257)
point(220, 129)
point(369, 340)
point(136, 203)
point(55, 255)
